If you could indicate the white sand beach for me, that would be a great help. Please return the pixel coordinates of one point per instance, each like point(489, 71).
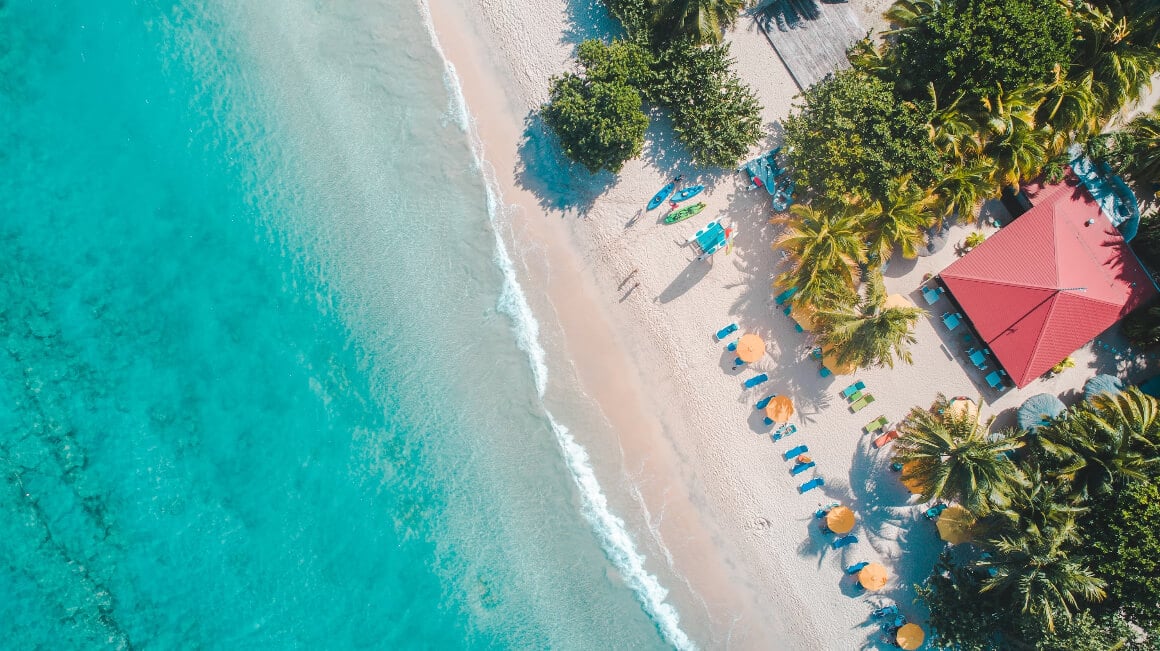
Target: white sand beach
point(760, 572)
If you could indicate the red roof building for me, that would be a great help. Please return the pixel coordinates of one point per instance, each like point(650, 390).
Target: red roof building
point(1049, 282)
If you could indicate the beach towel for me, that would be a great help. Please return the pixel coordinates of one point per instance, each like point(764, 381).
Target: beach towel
point(784, 431)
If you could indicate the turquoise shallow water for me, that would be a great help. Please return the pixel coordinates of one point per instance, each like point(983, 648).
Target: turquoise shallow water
point(261, 384)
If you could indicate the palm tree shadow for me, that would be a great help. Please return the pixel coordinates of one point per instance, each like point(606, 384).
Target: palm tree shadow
point(588, 19)
point(693, 273)
point(558, 184)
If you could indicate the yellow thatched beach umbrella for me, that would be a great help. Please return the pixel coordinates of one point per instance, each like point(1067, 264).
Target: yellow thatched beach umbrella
point(873, 576)
point(830, 361)
point(911, 483)
point(954, 524)
point(896, 300)
point(779, 409)
point(910, 636)
point(803, 313)
point(750, 348)
point(840, 519)
point(963, 406)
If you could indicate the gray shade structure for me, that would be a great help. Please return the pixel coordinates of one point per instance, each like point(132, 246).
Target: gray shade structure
point(1109, 384)
point(1038, 410)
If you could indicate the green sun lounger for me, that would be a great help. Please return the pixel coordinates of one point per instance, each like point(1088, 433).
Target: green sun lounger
point(860, 403)
point(856, 396)
point(876, 424)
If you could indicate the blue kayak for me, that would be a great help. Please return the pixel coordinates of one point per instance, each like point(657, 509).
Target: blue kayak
point(688, 193)
point(663, 194)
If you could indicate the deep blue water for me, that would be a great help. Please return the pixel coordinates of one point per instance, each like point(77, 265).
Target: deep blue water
point(260, 384)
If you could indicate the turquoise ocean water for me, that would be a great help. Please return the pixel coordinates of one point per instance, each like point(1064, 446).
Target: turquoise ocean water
point(267, 381)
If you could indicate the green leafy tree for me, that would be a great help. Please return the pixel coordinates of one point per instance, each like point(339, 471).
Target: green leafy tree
point(950, 456)
point(971, 46)
point(1042, 577)
point(701, 21)
point(853, 136)
point(909, 15)
point(962, 619)
point(823, 245)
point(1142, 327)
point(1123, 546)
point(869, 333)
point(597, 114)
point(716, 117)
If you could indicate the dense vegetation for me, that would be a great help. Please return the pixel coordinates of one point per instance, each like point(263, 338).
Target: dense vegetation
point(963, 99)
point(670, 59)
point(1065, 552)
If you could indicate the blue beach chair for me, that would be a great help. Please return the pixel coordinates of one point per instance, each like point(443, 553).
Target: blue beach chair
point(755, 380)
point(726, 331)
point(793, 452)
point(825, 372)
point(857, 567)
point(732, 346)
point(849, 391)
point(785, 296)
point(821, 513)
point(843, 541)
point(761, 404)
point(801, 467)
point(811, 484)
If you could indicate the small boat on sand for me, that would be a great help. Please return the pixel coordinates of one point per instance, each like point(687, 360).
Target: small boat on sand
point(684, 213)
point(687, 192)
point(663, 193)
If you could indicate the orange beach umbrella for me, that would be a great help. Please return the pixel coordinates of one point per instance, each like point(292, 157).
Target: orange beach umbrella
point(840, 519)
point(873, 576)
point(910, 636)
point(750, 348)
point(779, 409)
point(963, 406)
point(830, 361)
point(803, 314)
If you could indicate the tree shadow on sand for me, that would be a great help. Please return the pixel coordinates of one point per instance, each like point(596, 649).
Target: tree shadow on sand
point(587, 19)
point(559, 185)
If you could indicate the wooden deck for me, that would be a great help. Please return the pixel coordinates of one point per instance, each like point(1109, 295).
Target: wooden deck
point(810, 37)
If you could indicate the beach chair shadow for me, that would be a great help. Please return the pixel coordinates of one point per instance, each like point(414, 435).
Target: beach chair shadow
point(693, 274)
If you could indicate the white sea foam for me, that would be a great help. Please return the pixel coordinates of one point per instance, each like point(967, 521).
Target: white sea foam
point(611, 530)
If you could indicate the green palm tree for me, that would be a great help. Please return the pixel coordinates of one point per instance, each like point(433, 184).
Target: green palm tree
point(869, 333)
point(1071, 109)
point(1038, 572)
point(824, 247)
point(1120, 51)
point(949, 456)
point(1035, 506)
point(701, 20)
point(1143, 163)
point(963, 187)
point(1013, 141)
point(899, 220)
point(953, 129)
point(1106, 442)
point(906, 15)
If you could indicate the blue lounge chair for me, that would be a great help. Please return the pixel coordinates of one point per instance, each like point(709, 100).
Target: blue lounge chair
point(761, 404)
point(934, 511)
point(811, 484)
point(785, 296)
point(843, 541)
point(885, 611)
point(816, 354)
point(857, 387)
point(793, 452)
point(896, 467)
point(801, 467)
point(726, 331)
point(821, 513)
point(798, 327)
point(755, 380)
point(857, 567)
point(825, 372)
point(768, 421)
point(738, 362)
point(732, 346)
point(784, 431)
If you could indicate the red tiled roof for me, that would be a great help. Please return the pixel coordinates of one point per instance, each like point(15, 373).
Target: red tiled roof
point(1047, 283)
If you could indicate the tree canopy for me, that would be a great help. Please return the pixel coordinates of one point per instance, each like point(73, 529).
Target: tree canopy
point(597, 114)
point(853, 136)
point(973, 46)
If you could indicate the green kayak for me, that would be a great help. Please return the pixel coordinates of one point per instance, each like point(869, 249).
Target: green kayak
point(684, 213)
